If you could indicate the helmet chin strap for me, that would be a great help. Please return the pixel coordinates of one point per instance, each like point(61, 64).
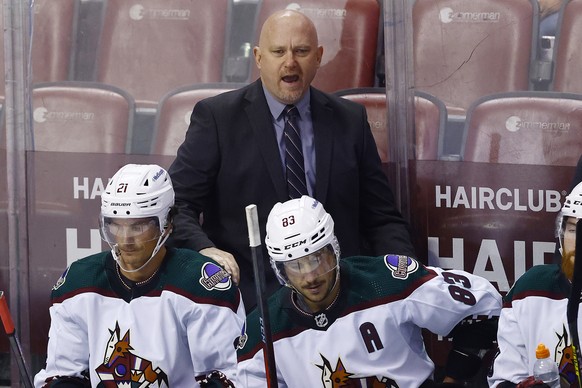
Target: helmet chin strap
point(117, 253)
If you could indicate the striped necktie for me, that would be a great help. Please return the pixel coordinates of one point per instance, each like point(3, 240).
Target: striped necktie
point(295, 169)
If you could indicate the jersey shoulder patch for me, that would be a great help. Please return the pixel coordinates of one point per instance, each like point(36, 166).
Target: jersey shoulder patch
point(199, 278)
point(84, 274)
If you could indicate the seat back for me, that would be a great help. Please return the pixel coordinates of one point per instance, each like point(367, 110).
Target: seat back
point(348, 32)
point(81, 117)
point(173, 116)
point(149, 51)
point(53, 39)
point(465, 49)
point(567, 56)
point(541, 128)
point(430, 118)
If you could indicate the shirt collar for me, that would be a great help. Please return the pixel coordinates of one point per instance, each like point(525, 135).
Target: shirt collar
point(277, 108)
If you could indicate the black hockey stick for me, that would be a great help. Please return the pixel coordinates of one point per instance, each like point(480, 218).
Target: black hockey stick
point(574, 302)
point(259, 271)
point(14, 343)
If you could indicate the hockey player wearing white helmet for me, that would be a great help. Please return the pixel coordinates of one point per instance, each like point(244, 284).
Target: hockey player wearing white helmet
point(353, 321)
point(534, 311)
point(304, 251)
point(142, 314)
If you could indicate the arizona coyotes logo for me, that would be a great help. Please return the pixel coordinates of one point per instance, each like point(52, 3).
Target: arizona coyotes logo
point(341, 378)
point(564, 357)
point(122, 368)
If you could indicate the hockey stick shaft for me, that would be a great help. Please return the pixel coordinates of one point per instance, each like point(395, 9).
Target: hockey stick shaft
point(259, 272)
point(574, 302)
point(14, 343)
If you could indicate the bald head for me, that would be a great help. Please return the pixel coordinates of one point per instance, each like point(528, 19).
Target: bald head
point(288, 55)
point(287, 17)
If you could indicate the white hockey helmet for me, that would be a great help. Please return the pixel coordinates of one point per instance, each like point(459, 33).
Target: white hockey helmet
point(139, 191)
point(297, 229)
point(572, 208)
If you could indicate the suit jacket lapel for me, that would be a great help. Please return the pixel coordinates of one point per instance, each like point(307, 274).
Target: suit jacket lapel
point(259, 116)
point(323, 123)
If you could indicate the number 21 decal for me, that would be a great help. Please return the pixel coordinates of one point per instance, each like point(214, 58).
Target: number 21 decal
point(122, 188)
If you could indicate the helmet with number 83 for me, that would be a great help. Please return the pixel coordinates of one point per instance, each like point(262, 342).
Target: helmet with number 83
point(296, 231)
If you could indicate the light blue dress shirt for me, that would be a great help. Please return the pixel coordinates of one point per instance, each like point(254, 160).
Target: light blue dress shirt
point(307, 136)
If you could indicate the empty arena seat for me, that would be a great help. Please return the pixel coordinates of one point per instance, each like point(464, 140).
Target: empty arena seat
point(348, 32)
point(53, 36)
point(567, 55)
point(465, 49)
point(173, 117)
point(149, 48)
point(542, 128)
point(53, 39)
point(81, 117)
point(430, 117)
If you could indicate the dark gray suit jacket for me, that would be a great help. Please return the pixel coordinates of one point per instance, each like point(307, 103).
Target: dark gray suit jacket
point(230, 159)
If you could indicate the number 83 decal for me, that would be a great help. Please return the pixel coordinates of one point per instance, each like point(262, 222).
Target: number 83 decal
point(459, 288)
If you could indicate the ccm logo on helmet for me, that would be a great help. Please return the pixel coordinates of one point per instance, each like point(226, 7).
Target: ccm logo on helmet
point(296, 244)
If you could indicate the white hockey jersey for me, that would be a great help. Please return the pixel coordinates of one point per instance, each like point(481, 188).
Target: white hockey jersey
point(534, 311)
point(182, 324)
point(371, 335)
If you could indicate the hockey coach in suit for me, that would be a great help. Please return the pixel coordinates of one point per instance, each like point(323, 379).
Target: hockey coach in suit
point(233, 155)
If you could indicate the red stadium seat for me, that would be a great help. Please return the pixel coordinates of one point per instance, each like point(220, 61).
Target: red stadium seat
point(348, 32)
point(53, 36)
point(567, 56)
point(81, 117)
point(465, 49)
point(430, 118)
point(148, 50)
point(541, 128)
point(173, 117)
